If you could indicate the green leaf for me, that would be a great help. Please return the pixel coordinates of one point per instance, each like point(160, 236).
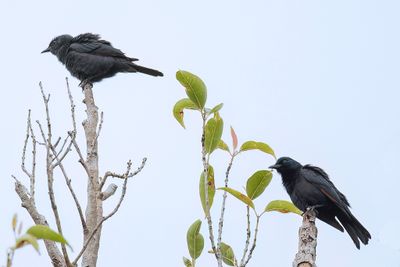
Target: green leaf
point(187, 262)
point(196, 90)
point(44, 232)
point(257, 183)
point(222, 145)
point(182, 104)
point(213, 133)
point(25, 240)
point(282, 206)
point(227, 254)
point(245, 199)
point(211, 189)
point(195, 240)
point(250, 145)
point(216, 108)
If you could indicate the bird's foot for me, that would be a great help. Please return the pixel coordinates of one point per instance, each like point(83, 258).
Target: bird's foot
point(83, 83)
point(313, 209)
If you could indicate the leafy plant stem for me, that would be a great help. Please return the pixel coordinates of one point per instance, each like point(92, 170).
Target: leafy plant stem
point(221, 218)
point(205, 160)
point(246, 247)
point(253, 246)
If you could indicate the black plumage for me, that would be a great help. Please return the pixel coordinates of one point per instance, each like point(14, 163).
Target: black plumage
point(310, 187)
point(91, 59)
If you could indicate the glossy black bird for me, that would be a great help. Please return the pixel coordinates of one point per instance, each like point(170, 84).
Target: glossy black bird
point(91, 59)
point(310, 187)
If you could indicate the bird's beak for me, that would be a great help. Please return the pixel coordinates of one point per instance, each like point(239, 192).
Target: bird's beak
point(275, 166)
point(46, 50)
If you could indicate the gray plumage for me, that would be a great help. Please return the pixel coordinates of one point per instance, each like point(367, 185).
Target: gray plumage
point(310, 186)
point(91, 59)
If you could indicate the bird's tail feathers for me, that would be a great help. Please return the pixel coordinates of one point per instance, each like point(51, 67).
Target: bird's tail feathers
point(356, 230)
point(141, 69)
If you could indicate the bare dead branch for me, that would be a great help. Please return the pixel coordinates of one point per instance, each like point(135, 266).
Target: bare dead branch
point(122, 176)
point(26, 202)
point(60, 159)
point(94, 204)
point(62, 147)
point(57, 142)
point(25, 146)
point(100, 126)
point(46, 103)
point(110, 190)
point(306, 255)
point(124, 187)
point(71, 100)
point(31, 175)
point(78, 151)
point(50, 172)
point(71, 190)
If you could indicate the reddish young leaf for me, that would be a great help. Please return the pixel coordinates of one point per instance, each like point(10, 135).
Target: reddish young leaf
point(234, 139)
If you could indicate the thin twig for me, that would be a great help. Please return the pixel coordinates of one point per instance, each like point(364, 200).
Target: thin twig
point(25, 146)
point(31, 175)
point(78, 150)
point(253, 246)
point(50, 172)
point(26, 202)
point(122, 176)
point(63, 145)
point(99, 224)
point(248, 236)
point(71, 190)
point(100, 127)
point(60, 159)
point(221, 218)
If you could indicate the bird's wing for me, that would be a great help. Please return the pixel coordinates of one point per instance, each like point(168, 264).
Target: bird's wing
point(88, 37)
point(320, 179)
point(92, 44)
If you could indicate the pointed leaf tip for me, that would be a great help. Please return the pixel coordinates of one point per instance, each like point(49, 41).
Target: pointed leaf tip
point(242, 197)
point(195, 88)
point(282, 206)
point(187, 262)
point(25, 240)
point(178, 110)
point(216, 108)
point(195, 240)
point(257, 183)
point(44, 232)
point(250, 145)
point(234, 139)
point(213, 133)
point(228, 256)
point(223, 146)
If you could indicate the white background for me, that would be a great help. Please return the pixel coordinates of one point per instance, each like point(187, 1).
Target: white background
point(316, 80)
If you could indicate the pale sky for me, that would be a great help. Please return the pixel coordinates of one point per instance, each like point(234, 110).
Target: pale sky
point(316, 80)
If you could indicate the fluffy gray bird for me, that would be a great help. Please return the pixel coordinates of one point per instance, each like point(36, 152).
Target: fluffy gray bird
point(310, 187)
point(91, 59)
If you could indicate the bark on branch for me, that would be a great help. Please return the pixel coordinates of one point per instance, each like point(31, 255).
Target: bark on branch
point(56, 152)
point(308, 232)
point(94, 208)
